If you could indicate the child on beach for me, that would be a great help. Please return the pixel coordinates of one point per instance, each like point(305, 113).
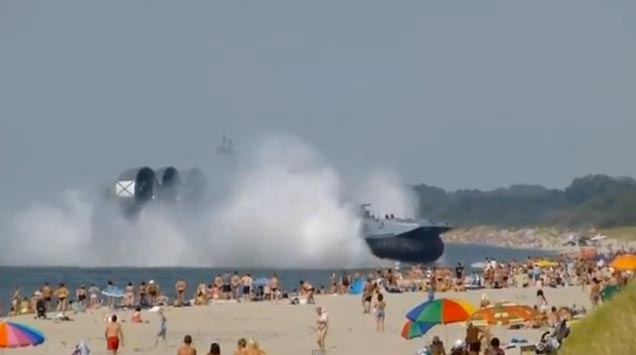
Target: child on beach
point(163, 329)
point(379, 306)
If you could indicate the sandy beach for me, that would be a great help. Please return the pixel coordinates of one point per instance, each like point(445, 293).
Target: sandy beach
point(282, 329)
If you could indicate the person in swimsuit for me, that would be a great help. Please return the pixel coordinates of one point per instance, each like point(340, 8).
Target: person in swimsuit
point(163, 329)
point(367, 296)
point(473, 339)
point(143, 292)
point(273, 288)
point(47, 294)
point(153, 291)
point(595, 292)
point(114, 335)
point(130, 295)
point(62, 296)
point(247, 286)
point(322, 325)
point(235, 282)
point(380, 305)
point(308, 290)
point(180, 287)
point(80, 293)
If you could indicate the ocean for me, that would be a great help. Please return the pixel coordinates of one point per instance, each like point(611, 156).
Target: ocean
point(32, 278)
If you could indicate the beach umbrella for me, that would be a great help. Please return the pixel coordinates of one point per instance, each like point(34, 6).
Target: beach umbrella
point(479, 265)
point(412, 330)
point(546, 263)
point(441, 311)
point(624, 262)
point(357, 287)
point(14, 335)
point(503, 313)
point(263, 281)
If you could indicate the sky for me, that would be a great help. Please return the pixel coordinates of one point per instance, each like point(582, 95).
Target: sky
point(457, 94)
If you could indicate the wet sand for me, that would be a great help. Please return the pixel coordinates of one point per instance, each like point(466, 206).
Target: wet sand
point(283, 329)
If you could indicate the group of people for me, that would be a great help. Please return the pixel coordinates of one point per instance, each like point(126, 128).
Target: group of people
point(114, 335)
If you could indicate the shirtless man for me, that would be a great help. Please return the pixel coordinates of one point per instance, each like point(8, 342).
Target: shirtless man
point(180, 287)
point(246, 281)
point(273, 288)
point(153, 291)
point(47, 293)
point(187, 348)
point(236, 285)
point(473, 339)
point(114, 335)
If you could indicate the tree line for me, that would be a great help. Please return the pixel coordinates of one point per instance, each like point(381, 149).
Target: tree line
point(592, 201)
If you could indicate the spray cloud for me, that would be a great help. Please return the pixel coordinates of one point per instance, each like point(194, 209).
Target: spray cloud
point(283, 208)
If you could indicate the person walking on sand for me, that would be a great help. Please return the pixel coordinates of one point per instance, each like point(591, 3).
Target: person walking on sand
point(114, 335)
point(163, 329)
point(322, 324)
point(380, 305)
point(187, 348)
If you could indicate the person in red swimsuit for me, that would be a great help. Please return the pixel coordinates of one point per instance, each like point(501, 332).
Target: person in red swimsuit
point(114, 335)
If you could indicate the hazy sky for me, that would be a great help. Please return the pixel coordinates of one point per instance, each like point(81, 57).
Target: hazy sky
point(452, 93)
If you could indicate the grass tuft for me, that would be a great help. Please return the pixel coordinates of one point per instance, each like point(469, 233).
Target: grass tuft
point(610, 330)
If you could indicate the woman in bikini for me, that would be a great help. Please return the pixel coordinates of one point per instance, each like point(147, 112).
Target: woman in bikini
point(322, 327)
point(130, 295)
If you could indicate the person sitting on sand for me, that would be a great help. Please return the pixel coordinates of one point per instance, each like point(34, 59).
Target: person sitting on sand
point(322, 324)
point(187, 348)
point(136, 316)
point(253, 348)
point(495, 347)
point(437, 347)
point(114, 335)
point(241, 346)
point(215, 349)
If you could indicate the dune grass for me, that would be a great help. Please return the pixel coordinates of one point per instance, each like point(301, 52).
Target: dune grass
point(621, 233)
point(610, 330)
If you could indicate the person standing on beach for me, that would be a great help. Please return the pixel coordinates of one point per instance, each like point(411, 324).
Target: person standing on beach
point(47, 293)
point(380, 305)
point(235, 282)
point(246, 281)
point(227, 286)
point(114, 335)
point(62, 296)
point(273, 288)
point(180, 287)
point(187, 348)
point(322, 324)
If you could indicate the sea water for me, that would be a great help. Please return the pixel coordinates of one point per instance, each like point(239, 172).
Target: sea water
point(32, 278)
